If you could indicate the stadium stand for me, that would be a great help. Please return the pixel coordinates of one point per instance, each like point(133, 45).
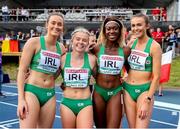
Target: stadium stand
point(85, 13)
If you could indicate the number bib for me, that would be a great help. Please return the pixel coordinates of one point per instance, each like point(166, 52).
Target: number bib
point(137, 59)
point(76, 77)
point(111, 64)
point(49, 61)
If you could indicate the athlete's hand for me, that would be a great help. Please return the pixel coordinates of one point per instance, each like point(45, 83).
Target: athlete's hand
point(27, 75)
point(22, 110)
point(62, 86)
point(143, 111)
point(90, 46)
point(122, 80)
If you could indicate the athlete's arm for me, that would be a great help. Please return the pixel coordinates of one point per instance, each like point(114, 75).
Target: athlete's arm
point(156, 54)
point(63, 58)
point(94, 49)
point(28, 52)
point(93, 64)
point(63, 50)
point(127, 51)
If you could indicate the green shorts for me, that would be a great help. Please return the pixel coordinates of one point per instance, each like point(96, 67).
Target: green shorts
point(76, 105)
point(107, 93)
point(136, 90)
point(42, 94)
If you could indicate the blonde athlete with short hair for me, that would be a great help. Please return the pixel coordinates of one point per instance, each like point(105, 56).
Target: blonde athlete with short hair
point(36, 94)
point(77, 67)
point(143, 76)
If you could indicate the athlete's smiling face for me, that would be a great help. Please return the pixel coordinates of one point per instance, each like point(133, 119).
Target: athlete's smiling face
point(80, 41)
point(112, 31)
point(55, 25)
point(138, 26)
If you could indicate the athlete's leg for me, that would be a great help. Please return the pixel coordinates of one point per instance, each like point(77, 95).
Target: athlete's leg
point(130, 109)
point(99, 109)
point(143, 123)
point(68, 118)
point(33, 111)
point(123, 111)
point(85, 118)
point(114, 111)
point(47, 114)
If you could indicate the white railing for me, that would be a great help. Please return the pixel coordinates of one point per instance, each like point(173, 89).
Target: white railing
point(74, 14)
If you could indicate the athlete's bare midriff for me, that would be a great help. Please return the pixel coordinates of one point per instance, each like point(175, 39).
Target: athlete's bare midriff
point(108, 81)
point(77, 93)
point(138, 77)
point(41, 79)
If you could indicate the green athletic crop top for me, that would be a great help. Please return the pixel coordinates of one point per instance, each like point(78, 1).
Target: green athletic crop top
point(46, 61)
point(76, 77)
point(110, 64)
point(141, 60)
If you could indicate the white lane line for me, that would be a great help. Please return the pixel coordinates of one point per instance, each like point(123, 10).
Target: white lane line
point(12, 123)
point(59, 93)
point(14, 105)
point(9, 86)
point(156, 103)
point(1, 126)
point(17, 122)
point(165, 123)
point(179, 122)
point(58, 101)
point(167, 109)
point(58, 116)
point(167, 105)
point(7, 121)
point(9, 93)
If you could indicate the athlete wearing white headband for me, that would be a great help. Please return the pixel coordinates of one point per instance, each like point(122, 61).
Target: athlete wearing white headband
point(115, 22)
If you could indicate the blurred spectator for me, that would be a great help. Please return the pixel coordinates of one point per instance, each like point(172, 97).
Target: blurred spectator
point(18, 14)
point(97, 33)
point(178, 42)
point(13, 14)
point(13, 36)
point(32, 33)
point(1, 38)
point(159, 36)
point(166, 40)
point(153, 33)
point(20, 36)
point(172, 41)
point(156, 13)
point(27, 36)
point(170, 27)
point(7, 36)
point(24, 14)
point(1, 75)
point(5, 13)
point(163, 14)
